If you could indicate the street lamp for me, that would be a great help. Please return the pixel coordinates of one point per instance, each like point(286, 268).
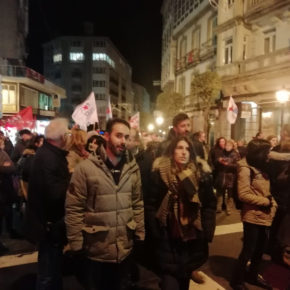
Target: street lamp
point(282, 97)
point(159, 120)
point(150, 127)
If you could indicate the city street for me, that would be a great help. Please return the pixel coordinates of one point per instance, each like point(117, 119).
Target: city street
point(18, 272)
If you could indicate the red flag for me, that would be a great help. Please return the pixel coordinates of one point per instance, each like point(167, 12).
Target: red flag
point(23, 119)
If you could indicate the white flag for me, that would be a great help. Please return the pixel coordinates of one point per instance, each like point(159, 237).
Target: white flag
point(109, 110)
point(232, 111)
point(86, 113)
point(135, 121)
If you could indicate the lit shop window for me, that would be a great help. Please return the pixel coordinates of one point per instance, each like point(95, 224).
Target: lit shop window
point(45, 102)
point(76, 56)
point(57, 57)
point(8, 94)
point(103, 57)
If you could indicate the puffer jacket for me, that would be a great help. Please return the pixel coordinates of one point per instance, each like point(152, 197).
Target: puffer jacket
point(254, 193)
point(101, 217)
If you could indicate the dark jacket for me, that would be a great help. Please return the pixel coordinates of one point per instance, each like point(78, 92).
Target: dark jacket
point(227, 174)
point(18, 150)
point(7, 193)
point(177, 257)
point(8, 146)
point(279, 172)
point(48, 182)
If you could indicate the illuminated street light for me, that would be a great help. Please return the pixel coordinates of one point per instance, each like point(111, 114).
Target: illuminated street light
point(150, 127)
point(282, 96)
point(159, 120)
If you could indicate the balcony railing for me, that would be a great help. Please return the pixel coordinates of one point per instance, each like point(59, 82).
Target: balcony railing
point(21, 71)
point(189, 59)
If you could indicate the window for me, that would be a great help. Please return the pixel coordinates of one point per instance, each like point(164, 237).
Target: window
point(181, 86)
point(76, 43)
point(57, 57)
point(99, 70)
point(98, 83)
point(211, 25)
point(245, 48)
point(76, 73)
point(103, 57)
point(45, 102)
point(76, 56)
point(76, 88)
point(9, 94)
point(230, 3)
point(269, 40)
point(182, 49)
point(196, 39)
point(100, 96)
point(99, 43)
point(57, 74)
point(228, 57)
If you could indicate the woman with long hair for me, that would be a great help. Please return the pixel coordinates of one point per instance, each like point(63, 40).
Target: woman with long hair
point(175, 209)
point(257, 213)
point(76, 148)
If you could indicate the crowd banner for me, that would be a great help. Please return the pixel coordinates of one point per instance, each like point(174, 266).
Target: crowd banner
point(109, 109)
point(232, 111)
point(135, 121)
point(23, 119)
point(86, 113)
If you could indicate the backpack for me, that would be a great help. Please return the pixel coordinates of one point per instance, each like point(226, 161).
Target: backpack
point(237, 202)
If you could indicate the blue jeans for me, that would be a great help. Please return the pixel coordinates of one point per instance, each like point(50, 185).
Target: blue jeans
point(49, 266)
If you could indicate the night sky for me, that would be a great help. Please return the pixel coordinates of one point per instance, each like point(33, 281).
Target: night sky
point(134, 26)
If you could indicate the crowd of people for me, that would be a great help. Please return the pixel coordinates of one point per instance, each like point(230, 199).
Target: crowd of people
point(109, 202)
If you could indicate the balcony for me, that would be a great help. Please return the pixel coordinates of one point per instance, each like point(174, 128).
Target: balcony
point(272, 61)
point(260, 9)
point(190, 59)
point(21, 71)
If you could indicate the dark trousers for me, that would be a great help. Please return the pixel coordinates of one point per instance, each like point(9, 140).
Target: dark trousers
point(169, 282)
point(108, 276)
point(255, 239)
point(49, 266)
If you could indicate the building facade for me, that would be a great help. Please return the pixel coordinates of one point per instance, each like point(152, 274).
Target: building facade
point(13, 31)
point(247, 43)
point(85, 64)
point(22, 87)
point(253, 59)
point(188, 47)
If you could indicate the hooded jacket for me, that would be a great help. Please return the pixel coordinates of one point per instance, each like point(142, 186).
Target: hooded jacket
point(101, 217)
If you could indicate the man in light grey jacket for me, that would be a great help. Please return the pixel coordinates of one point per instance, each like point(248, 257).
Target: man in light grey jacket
point(104, 210)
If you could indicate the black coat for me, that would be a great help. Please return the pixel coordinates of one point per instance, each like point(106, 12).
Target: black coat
point(176, 257)
point(48, 182)
point(7, 192)
point(279, 172)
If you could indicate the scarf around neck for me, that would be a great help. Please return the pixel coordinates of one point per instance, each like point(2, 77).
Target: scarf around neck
point(181, 199)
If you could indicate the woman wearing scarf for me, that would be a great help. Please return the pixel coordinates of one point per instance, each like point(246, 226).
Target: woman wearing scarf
point(180, 213)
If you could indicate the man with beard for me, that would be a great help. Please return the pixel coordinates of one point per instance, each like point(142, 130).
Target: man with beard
point(181, 128)
point(104, 211)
